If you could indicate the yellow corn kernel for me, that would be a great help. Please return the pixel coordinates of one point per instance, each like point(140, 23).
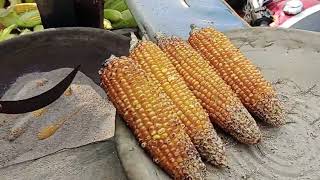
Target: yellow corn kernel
point(242, 75)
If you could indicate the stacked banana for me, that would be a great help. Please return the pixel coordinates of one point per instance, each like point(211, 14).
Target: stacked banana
point(19, 19)
point(172, 94)
point(22, 17)
point(117, 15)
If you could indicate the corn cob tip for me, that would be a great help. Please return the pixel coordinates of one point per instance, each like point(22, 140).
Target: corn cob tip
point(194, 28)
point(163, 40)
point(133, 42)
point(145, 37)
point(105, 63)
point(160, 35)
point(245, 128)
point(270, 110)
point(212, 149)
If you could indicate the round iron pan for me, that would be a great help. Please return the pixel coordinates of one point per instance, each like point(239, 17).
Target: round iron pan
point(58, 48)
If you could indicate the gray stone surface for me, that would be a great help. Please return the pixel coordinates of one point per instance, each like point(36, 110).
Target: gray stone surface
point(96, 161)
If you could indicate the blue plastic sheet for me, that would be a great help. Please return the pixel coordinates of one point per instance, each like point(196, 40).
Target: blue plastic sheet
point(174, 17)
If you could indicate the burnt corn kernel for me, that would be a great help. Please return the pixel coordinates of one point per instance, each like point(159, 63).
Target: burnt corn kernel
point(240, 73)
point(150, 116)
point(222, 104)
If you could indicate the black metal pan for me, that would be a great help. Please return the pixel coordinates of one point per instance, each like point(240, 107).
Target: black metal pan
point(58, 48)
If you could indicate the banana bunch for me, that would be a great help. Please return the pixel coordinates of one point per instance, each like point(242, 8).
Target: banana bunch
point(117, 15)
point(22, 17)
point(2, 3)
point(19, 19)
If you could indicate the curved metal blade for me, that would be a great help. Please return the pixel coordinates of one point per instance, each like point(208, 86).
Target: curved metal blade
point(40, 101)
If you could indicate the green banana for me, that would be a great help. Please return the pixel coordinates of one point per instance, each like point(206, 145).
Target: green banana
point(13, 2)
point(118, 5)
point(107, 3)
point(107, 24)
point(112, 15)
point(126, 14)
point(25, 31)
point(8, 17)
point(127, 21)
point(10, 36)
point(2, 3)
point(29, 19)
point(38, 28)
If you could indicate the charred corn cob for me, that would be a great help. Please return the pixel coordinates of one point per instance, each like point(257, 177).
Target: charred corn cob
point(149, 115)
point(236, 70)
point(191, 113)
point(222, 104)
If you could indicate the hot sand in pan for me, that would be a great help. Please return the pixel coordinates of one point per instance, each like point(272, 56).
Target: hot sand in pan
point(81, 116)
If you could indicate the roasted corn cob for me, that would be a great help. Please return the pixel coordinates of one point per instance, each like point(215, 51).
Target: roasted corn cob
point(237, 71)
point(222, 104)
point(150, 116)
point(193, 116)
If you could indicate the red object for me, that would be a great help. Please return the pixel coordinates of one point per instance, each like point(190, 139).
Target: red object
point(280, 17)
